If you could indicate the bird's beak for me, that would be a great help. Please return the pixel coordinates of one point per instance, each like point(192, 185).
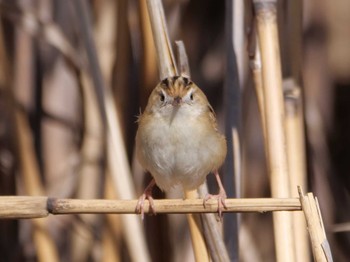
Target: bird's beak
point(177, 101)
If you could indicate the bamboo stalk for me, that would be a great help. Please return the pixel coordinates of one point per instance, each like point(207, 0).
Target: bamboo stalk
point(19, 207)
point(23, 207)
point(90, 172)
point(295, 130)
point(149, 64)
point(109, 252)
point(256, 68)
point(28, 162)
point(275, 132)
point(121, 174)
point(194, 221)
point(247, 239)
point(319, 242)
point(168, 67)
point(296, 161)
point(30, 174)
point(174, 206)
point(234, 81)
point(44, 243)
point(107, 32)
point(165, 56)
point(182, 59)
point(239, 40)
point(116, 152)
point(113, 223)
point(121, 88)
point(196, 225)
point(213, 232)
point(198, 243)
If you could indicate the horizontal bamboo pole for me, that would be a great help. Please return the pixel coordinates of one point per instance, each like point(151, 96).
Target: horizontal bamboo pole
point(18, 207)
point(23, 207)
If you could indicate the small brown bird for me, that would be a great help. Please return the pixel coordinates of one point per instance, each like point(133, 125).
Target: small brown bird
point(178, 141)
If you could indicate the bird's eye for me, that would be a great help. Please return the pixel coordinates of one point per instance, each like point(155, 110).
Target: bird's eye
point(191, 96)
point(162, 97)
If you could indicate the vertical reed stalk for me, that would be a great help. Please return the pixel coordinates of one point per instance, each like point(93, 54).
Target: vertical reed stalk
point(44, 244)
point(319, 242)
point(45, 247)
point(112, 227)
point(106, 31)
point(295, 131)
point(256, 68)
point(116, 152)
point(149, 65)
point(90, 173)
point(165, 54)
point(296, 162)
point(208, 224)
point(198, 243)
point(108, 247)
point(275, 131)
point(168, 67)
point(234, 80)
point(213, 232)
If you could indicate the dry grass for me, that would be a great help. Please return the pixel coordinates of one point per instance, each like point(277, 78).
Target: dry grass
point(73, 77)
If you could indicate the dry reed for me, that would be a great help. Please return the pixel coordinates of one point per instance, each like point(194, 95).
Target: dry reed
point(41, 206)
point(296, 161)
point(266, 19)
point(43, 241)
point(116, 151)
point(40, 26)
point(167, 68)
point(24, 207)
point(295, 128)
point(320, 246)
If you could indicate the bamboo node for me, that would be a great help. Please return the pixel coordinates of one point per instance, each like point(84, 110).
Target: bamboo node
point(50, 204)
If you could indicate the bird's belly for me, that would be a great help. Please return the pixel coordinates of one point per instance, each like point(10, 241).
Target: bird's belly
point(180, 155)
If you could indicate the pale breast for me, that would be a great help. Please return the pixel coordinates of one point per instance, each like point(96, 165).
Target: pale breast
point(181, 153)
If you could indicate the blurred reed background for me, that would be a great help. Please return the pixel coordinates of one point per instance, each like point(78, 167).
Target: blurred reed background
point(53, 138)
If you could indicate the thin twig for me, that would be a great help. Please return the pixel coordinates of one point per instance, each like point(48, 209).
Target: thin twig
point(182, 58)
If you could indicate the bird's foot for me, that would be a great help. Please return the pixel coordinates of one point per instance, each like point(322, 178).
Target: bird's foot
point(141, 202)
point(147, 194)
point(221, 201)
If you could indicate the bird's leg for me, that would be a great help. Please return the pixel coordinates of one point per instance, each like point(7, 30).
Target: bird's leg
point(147, 194)
point(220, 197)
